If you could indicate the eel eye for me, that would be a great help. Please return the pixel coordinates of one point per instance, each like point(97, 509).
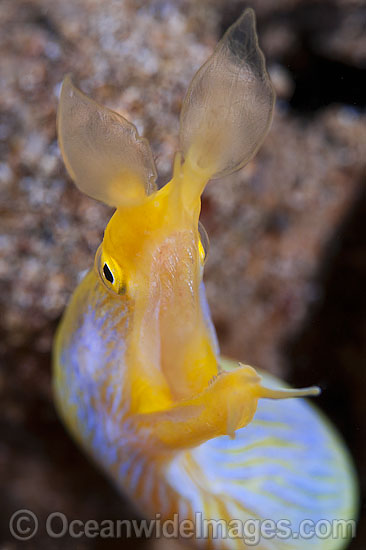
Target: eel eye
point(108, 273)
point(203, 243)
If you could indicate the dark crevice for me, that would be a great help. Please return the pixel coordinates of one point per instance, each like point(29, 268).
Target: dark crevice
point(331, 349)
point(319, 80)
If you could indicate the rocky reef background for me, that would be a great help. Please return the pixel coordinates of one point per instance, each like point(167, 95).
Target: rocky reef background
point(286, 268)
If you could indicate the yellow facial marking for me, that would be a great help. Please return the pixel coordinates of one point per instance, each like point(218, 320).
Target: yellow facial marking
point(201, 252)
point(203, 243)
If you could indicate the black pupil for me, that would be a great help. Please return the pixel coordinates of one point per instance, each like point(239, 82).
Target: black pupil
point(107, 273)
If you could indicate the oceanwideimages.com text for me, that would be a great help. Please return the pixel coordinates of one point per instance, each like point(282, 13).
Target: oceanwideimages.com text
point(24, 525)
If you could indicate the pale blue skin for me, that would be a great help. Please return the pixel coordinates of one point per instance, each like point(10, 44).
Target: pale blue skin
point(90, 353)
point(288, 463)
